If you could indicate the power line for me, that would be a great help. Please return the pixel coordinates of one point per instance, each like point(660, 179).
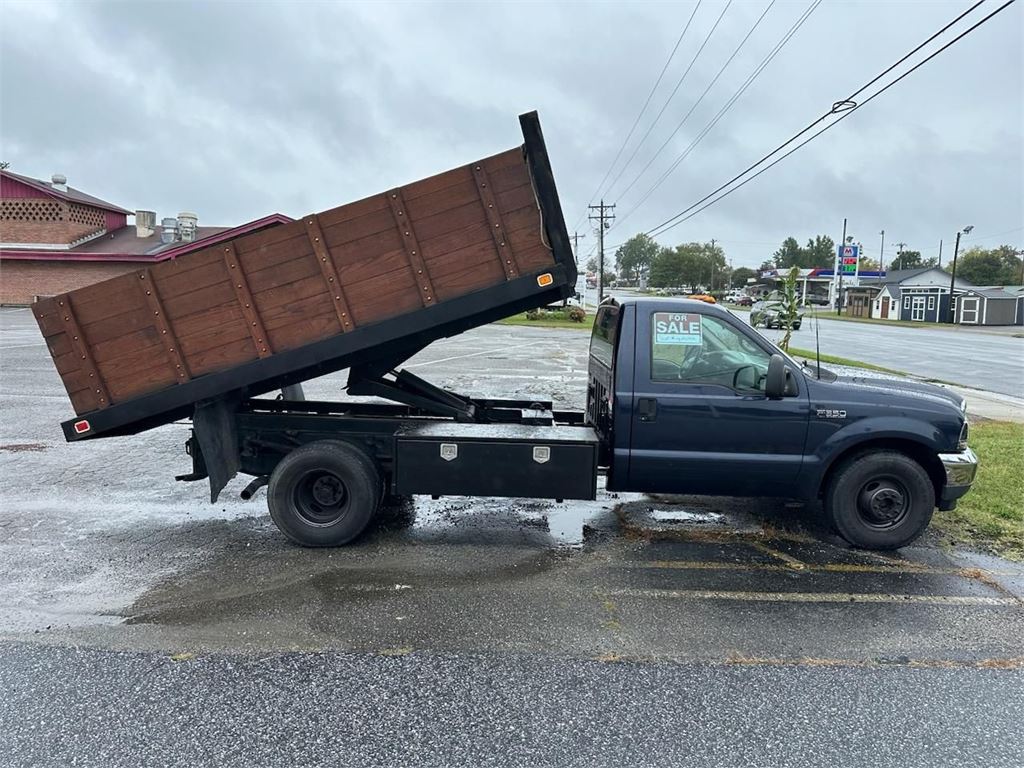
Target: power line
point(642, 110)
point(670, 96)
point(726, 107)
point(844, 108)
point(697, 103)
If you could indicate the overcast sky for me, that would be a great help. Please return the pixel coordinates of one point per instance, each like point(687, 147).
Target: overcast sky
point(237, 110)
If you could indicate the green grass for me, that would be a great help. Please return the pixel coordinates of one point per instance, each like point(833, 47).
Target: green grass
point(809, 355)
point(549, 322)
point(991, 515)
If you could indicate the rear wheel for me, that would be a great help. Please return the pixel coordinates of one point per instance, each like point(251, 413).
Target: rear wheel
point(324, 494)
point(880, 500)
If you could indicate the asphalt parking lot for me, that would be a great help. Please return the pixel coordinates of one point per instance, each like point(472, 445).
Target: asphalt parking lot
point(139, 622)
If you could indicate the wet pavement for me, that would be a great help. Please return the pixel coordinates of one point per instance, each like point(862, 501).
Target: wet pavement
point(479, 602)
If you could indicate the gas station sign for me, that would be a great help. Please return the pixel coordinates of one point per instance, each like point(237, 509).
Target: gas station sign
point(848, 257)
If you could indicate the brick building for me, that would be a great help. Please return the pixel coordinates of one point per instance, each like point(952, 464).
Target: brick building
point(55, 238)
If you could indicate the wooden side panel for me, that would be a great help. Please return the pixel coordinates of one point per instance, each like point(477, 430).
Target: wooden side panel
point(294, 284)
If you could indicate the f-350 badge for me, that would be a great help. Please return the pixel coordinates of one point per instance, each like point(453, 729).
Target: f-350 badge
point(830, 413)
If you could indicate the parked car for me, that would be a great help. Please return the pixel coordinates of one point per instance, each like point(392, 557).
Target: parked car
point(771, 314)
point(743, 301)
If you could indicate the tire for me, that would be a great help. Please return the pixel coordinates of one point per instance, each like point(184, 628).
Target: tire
point(880, 500)
point(324, 494)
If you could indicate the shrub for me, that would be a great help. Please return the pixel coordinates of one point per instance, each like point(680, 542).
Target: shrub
point(577, 314)
point(533, 314)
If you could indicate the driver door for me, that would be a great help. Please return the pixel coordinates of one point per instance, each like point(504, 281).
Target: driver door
point(701, 422)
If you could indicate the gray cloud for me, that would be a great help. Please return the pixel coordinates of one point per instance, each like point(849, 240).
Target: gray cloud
point(238, 110)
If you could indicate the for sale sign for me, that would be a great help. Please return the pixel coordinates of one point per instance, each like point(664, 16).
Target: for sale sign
point(677, 328)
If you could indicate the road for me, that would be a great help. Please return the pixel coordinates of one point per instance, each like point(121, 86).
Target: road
point(141, 625)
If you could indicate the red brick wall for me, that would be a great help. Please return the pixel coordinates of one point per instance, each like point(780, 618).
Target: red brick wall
point(46, 220)
point(21, 280)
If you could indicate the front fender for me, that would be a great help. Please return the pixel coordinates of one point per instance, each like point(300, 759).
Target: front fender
point(843, 439)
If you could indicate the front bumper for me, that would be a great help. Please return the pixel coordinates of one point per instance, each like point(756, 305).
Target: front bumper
point(960, 471)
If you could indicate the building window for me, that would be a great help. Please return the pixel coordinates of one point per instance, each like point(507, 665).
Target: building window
point(931, 303)
point(906, 302)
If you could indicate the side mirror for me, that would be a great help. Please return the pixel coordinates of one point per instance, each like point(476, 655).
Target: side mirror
point(775, 381)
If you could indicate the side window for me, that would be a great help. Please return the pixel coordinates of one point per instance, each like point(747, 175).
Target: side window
point(906, 302)
point(931, 302)
point(688, 347)
point(602, 340)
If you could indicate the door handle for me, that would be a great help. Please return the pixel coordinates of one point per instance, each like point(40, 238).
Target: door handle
point(647, 408)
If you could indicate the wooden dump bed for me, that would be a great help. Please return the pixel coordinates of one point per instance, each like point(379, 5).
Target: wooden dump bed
point(248, 315)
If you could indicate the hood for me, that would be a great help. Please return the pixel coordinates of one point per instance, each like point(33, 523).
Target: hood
point(918, 390)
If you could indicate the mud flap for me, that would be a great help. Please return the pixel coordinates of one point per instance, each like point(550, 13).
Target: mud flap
point(214, 426)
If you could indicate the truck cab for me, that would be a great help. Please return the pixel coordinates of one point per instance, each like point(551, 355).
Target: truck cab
point(688, 399)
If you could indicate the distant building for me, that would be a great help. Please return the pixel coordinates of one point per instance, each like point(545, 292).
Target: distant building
point(55, 238)
point(923, 295)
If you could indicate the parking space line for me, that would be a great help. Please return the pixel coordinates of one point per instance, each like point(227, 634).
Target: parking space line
point(905, 569)
point(792, 562)
point(812, 597)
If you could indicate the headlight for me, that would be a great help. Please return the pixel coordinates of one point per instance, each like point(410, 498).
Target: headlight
point(964, 434)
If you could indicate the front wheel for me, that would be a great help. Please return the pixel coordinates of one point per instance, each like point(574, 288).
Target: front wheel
point(880, 500)
point(324, 494)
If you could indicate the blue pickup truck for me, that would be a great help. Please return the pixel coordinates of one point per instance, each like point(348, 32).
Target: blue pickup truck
point(685, 398)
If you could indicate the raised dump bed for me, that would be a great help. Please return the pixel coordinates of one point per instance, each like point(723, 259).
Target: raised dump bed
point(370, 281)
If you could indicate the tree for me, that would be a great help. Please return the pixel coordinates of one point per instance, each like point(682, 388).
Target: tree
point(867, 264)
point(740, 275)
point(4, 165)
point(592, 265)
point(790, 308)
point(689, 264)
point(995, 266)
point(789, 255)
point(819, 252)
point(633, 258)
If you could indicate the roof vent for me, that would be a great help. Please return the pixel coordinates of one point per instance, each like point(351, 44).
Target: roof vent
point(145, 223)
point(170, 230)
point(187, 226)
point(60, 181)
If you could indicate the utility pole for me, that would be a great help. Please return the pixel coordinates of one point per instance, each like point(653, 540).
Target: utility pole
point(940, 253)
point(952, 277)
point(881, 255)
point(605, 216)
point(839, 269)
point(576, 245)
point(899, 255)
point(576, 257)
point(712, 265)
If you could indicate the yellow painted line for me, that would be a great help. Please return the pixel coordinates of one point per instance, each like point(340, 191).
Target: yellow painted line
point(811, 597)
point(792, 562)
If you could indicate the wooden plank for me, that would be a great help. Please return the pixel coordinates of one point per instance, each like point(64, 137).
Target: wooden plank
point(343, 232)
point(334, 288)
point(417, 267)
point(221, 356)
point(503, 249)
point(385, 296)
point(443, 200)
point(305, 331)
point(213, 321)
point(469, 279)
point(201, 300)
point(241, 286)
point(474, 235)
point(169, 341)
point(81, 348)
